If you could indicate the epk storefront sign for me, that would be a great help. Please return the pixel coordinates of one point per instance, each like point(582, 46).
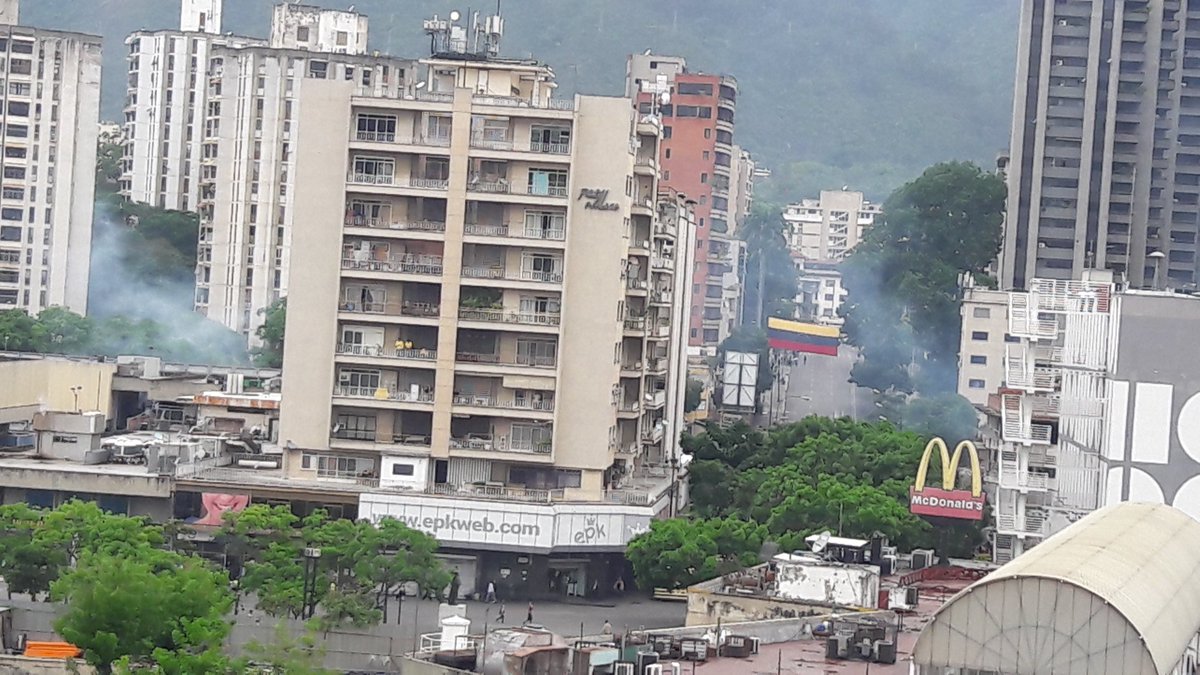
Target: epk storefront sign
point(509, 526)
point(946, 501)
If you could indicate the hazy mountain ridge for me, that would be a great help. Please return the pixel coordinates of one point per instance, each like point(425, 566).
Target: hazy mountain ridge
point(859, 92)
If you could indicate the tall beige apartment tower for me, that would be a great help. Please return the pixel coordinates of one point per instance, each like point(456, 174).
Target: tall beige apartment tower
point(49, 110)
point(1105, 156)
point(486, 319)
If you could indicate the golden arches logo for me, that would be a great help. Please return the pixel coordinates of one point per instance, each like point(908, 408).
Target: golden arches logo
point(950, 465)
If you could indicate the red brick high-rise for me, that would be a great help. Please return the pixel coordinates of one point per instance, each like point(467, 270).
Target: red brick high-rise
point(699, 159)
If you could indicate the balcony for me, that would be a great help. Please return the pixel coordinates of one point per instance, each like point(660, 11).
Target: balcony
point(656, 400)
point(1020, 374)
point(381, 394)
point(406, 308)
point(636, 286)
point(664, 230)
point(635, 323)
point(502, 316)
point(662, 263)
point(660, 297)
point(503, 187)
point(1016, 424)
point(550, 148)
point(485, 443)
point(525, 360)
point(433, 141)
point(521, 102)
point(1012, 479)
point(656, 366)
point(491, 401)
point(501, 492)
point(518, 232)
point(1032, 524)
point(381, 352)
point(389, 180)
point(408, 264)
point(518, 275)
point(395, 225)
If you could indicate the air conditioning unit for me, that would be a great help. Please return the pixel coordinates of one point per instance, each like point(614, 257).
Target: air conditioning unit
point(623, 669)
point(754, 645)
point(922, 558)
point(655, 669)
point(676, 668)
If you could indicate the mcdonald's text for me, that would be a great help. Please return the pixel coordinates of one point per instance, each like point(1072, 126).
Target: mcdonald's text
point(932, 501)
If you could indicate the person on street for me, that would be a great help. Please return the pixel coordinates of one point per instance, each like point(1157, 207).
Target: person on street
point(490, 596)
point(529, 614)
point(500, 614)
point(607, 630)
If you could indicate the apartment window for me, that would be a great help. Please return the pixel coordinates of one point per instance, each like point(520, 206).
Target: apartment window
point(1011, 339)
point(13, 193)
point(693, 89)
point(12, 152)
point(976, 384)
point(372, 169)
point(704, 112)
point(545, 225)
point(20, 67)
point(22, 47)
point(359, 382)
point(979, 335)
point(19, 88)
point(556, 140)
point(548, 182)
point(982, 312)
point(8, 296)
point(9, 276)
point(343, 467)
point(12, 214)
point(704, 178)
point(16, 131)
point(318, 69)
point(708, 134)
point(978, 360)
point(302, 34)
point(380, 128)
point(666, 132)
point(355, 427)
point(343, 38)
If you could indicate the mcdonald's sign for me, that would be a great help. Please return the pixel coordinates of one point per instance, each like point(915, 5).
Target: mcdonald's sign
point(947, 502)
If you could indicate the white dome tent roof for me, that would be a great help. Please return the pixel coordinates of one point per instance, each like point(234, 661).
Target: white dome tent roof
point(1117, 593)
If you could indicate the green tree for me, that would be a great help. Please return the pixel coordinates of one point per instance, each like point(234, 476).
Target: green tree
point(145, 604)
point(28, 565)
point(677, 553)
point(770, 276)
point(62, 331)
point(78, 528)
point(270, 354)
point(903, 280)
point(18, 331)
point(288, 654)
point(693, 395)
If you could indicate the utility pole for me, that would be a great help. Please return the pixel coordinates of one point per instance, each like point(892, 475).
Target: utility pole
point(762, 299)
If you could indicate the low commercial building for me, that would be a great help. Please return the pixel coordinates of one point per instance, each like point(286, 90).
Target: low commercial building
point(1112, 593)
point(789, 586)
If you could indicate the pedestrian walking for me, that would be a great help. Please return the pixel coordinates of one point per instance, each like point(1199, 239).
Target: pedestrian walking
point(529, 614)
point(607, 629)
point(490, 596)
point(500, 615)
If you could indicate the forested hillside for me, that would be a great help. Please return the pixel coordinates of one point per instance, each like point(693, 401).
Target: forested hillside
point(860, 92)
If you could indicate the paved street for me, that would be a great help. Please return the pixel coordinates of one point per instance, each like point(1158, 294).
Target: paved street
point(819, 385)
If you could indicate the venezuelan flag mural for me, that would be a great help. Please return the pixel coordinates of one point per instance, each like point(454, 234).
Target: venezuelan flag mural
point(809, 338)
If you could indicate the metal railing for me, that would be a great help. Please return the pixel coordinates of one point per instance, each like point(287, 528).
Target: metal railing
point(428, 265)
point(635, 323)
point(521, 494)
point(501, 316)
point(520, 102)
point(550, 148)
point(381, 394)
point(517, 360)
point(490, 401)
point(375, 136)
point(388, 224)
point(371, 178)
point(387, 352)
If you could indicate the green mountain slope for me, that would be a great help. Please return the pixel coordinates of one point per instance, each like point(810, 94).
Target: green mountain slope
point(858, 92)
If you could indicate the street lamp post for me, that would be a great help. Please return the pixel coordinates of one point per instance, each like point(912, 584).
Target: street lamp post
point(312, 556)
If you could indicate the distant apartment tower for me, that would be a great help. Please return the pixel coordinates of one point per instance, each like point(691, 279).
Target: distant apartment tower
point(297, 26)
point(827, 228)
point(495, 313)
point(50, 116)
point(247, 169)
point(699, 159)
point(1105, 154)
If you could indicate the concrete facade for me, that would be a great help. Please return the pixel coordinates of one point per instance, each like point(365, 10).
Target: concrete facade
point(828, 228)
point(305, 27)
point(982, 345)
point(50, 113)
point(1105, 161)
point(700, 160)
point(487, 228)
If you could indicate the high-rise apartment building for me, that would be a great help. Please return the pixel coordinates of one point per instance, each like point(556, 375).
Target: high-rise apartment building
point(247, 169)
point(827, 228)
point(208, 125)
point(1105, 155)
point(490, 312)
point(699, 159)
point(49, 109)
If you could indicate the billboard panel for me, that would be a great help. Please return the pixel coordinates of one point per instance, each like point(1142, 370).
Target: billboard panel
point(946, 501)
point(740, 380)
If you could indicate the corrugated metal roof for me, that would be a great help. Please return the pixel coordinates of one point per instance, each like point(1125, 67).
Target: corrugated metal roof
point(1140, 560)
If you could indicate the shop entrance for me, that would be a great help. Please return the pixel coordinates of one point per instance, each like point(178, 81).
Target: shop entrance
point(568, 578)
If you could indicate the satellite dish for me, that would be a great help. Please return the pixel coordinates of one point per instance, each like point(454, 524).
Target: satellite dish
point(822, 541)
point(455, 15)
point(665, 98)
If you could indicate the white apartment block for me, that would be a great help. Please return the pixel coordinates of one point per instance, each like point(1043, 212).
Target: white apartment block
point(247, 169)
point(819, 291)
point(297, 26)
point(984, 339)
point(49, 106)
point(493, 297)
point(829, 227)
